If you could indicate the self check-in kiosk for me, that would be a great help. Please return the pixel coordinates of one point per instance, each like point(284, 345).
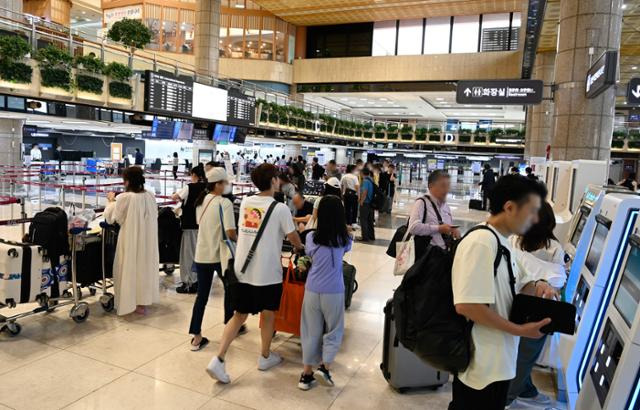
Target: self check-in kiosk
point(598, 274)
point(613, 370)
point(559, 177)
point(581, 230)
point(583, 173)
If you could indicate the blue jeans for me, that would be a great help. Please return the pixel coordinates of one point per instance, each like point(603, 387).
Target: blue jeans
point(205, 272)
point(528, 353)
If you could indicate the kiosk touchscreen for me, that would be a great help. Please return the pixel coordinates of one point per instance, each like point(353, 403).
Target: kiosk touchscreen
point(581, 230)
point(598, 274)
point(613, 379)
point(583, 173)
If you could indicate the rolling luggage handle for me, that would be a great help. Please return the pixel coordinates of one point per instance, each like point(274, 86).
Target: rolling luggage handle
point(107, 299)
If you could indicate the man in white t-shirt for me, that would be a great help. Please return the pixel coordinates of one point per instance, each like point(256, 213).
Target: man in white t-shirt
point(36, 154)
point(486, 299)
point(259, 272)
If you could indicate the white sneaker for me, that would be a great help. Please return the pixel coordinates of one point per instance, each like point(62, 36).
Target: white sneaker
point(216, 370)
point(274, 359)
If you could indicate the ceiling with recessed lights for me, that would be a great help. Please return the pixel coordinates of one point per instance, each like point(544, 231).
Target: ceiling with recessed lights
point(418, 106)
point(85, 19)
point(317, 12)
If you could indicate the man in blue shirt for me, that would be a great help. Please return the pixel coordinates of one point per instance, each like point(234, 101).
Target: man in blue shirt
point(366, 211)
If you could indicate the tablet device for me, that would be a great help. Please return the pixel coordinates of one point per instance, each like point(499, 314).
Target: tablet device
point(527, 309)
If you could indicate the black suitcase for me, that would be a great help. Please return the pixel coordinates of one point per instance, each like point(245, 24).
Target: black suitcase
point(169, 236)
point(88, 259)
point(476, 204)
point(350, 283)
point(402, 369)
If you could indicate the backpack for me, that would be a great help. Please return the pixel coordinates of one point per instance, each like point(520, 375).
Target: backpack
point(379, 197)
point(49, 229)
point(426, 319)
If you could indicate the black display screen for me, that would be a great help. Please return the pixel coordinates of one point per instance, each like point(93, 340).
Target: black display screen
point(628, 294)
point(597, 246)
point(167, 94)
point(575, 238)
point(241, 109)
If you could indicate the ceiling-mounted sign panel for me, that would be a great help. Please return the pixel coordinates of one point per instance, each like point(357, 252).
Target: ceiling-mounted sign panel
point(602, 74)
point(499, 92)
point(633, 92)
point(166, 94)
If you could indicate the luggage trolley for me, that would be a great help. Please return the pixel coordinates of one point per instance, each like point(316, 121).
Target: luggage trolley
point(109, 238)
point(79, 310)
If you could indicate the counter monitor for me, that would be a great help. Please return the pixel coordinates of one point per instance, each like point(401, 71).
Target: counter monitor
point(628, 294)
point(597, 245)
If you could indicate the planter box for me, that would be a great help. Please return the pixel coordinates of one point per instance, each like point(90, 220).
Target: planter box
point(633, 144)
point(56, 92)
point(434, 138)
point(407, 137)
point(464, 138)
point(480, 139)
point(617, 144)
point(380, 135)
point(392, 137)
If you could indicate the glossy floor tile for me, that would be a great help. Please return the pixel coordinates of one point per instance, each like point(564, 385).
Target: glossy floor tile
point(144, 362)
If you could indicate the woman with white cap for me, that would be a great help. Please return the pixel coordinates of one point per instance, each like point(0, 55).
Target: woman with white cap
point(216, 221)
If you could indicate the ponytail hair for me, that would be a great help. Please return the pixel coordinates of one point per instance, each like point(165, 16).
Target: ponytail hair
point(200, 199)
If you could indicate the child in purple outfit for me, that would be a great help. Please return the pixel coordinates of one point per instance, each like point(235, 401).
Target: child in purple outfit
point(322, 325)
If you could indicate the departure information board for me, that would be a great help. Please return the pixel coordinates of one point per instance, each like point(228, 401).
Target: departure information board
point(166, 94)
point(241, 109)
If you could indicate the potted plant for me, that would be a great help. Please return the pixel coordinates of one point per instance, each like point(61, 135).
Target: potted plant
point(89, 70)
point(495, 133)
point(421, 134)
point(55, 67)
point(406, 132)
point(464, 135)
point(480, 135)
point(380, 131)
point(119, 86)
point(13, 50)
point(367, 130)
point(392, 132)
point(617, 139)
point(634, 139)
point(273, 112)
point(133, 35)
point(283, 115)
point(261, 106)
point(434, 134)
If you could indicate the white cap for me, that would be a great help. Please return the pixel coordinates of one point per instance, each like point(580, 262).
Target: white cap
point(217, 174)
point(333, 181)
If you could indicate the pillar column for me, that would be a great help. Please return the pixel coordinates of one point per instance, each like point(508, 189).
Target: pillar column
point(582, 127)
point(207, 37)
point(10, 141)
point(540, 117)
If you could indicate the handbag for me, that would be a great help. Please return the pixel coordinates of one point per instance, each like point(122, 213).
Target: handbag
point(289, 315)
point(405, 254)
point(421, 241)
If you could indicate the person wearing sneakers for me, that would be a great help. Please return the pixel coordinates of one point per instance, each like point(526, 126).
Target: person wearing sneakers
point(263, 225)
point(213, 213)
point(322, 325)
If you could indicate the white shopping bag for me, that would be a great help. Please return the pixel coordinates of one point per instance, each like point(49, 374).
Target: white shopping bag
point(405, 254)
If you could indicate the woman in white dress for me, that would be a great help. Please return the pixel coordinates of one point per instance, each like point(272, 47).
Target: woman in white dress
point(135, 268)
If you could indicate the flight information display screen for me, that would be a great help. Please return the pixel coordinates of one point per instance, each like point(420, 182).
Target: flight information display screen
point(597, 246)
point(628, 295)
point(241, 109)
point(166, 94)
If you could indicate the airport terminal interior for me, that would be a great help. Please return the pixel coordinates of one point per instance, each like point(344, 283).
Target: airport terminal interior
point(374, 136)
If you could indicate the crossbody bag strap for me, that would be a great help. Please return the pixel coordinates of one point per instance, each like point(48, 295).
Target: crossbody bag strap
point(254, 245)
point(225, 238)
point(205, 209)
point(435, 208)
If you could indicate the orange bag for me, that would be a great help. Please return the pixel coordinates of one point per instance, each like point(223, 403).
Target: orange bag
point(288, 317)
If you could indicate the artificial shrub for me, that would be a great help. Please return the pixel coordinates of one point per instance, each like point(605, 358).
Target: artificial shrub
point(12, 50)
point(15, 72)
point(89, 83)
point(55, 77)
point(120, 90)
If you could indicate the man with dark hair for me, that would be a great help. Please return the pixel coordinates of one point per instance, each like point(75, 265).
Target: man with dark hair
point(259, 270)
point(350, 185)
point(484, 294)
point(434, 204)
point(366, 211)
point(139, 158)
point(332, 170)
point(530, 173)
point(487, 183)
point(317, 171)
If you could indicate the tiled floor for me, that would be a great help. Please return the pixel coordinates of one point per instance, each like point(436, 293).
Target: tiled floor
point(144, 362)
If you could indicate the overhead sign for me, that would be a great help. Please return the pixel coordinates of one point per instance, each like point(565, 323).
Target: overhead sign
point(500, 92)
point(110, 16)
point(166, 94)
point(633, 92)
point(241, 108)
point(602, 74)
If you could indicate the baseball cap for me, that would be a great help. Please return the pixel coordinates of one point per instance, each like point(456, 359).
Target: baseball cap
point(333, 181)
point(217, 174)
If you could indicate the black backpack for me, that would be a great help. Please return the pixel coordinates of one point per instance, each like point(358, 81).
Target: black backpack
point(49, 229)
point(379, 197)
point(426, 319)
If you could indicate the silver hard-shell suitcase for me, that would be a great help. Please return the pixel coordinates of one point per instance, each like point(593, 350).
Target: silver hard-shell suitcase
point(403, 369)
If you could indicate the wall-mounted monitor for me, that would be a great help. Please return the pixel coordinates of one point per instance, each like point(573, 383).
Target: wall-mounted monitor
point(229, 134)
point(209, 102)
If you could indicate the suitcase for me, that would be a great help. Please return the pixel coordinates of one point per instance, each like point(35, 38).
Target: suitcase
point(476, 204)
point(21, 266)
point(56, 279)
point(350, 283)
point(169, 236)
point(88, 259)
point(402, 369)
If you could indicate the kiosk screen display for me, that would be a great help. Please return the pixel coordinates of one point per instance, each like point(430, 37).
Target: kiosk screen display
point(555, 185)
point(573, 188)
point(597, 245)
point(579, 228)
point(628, 295)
